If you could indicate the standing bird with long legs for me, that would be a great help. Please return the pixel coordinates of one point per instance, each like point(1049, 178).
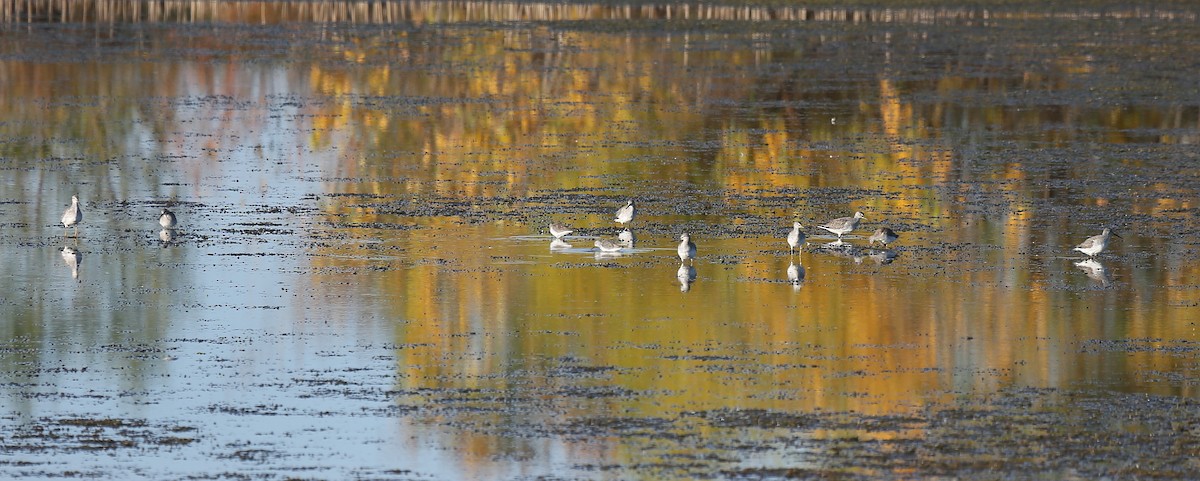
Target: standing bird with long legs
point(167, 219)
point(1096, 244)
point(625, 214)
point(686, 249)
point(795, 238)
point(73, 215)
point(843, 225)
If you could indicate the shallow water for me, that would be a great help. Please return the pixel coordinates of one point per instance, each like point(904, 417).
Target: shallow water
point(362, 284)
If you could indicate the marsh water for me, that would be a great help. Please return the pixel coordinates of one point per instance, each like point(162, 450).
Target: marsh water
point(362, 283)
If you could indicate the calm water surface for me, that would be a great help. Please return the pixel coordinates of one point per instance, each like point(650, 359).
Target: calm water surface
point(363, 285)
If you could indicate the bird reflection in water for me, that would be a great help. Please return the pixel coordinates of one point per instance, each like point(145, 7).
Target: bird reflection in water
point(1095, 271)
point(72, 257)
point(841, 249)
point(795, 275)
point(881, 256)
point(686, 276)
point(167, 236)
point(626, 237)
point(858, 254)
point(559, 245)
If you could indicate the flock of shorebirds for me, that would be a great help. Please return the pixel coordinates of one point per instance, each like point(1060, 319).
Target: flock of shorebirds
point(73, 216)
point(686, 249)
point(796, 239)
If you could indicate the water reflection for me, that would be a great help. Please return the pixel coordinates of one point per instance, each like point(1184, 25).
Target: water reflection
point(840, 248)
point(370, 168)
point(1095, 271)
point(602, 255)
point(166, 236)
point(559, 244)
point(686, 274)
point(72, 257)
point(881, 256)
point(626, 236)
point(795, 275)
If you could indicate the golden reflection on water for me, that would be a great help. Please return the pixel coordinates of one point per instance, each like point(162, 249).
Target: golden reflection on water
point(972, 303)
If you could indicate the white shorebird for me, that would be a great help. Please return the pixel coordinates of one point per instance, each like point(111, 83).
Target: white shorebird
point(73, 215)
point(605, 245)
point(559, 230)
point(1095, 244)
point(884, 236)
point(625, 214)
point(843, 225)
point(686, 249)
point(795, 238)
point(167, 219)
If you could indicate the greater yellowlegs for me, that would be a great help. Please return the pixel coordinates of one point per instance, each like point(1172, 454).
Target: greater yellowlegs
point(1095, 244)
point(167, 219)
point(843, 225)
point(606, 245)
point(625, 214)
point(884, 236)
point(559, 230)
point(73, 215)
point(686, 249)
point(795, 238)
